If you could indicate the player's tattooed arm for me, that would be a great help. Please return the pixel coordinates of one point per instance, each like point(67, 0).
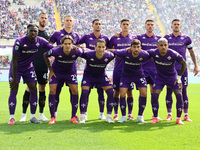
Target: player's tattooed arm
point(183, 67)
point(14, 82)
point(193, 57)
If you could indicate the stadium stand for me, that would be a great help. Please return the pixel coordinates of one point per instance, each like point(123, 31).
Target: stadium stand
point(16, 14)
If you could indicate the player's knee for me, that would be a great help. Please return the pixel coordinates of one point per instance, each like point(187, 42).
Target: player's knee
point(143, 94)
point(176, 92)
point(75, 91)
point(129, 94)
point(109, 92)
point(122, 94)
point(116, 93)
point(32, 87)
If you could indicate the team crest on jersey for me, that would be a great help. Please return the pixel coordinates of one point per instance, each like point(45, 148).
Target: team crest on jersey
point(73, 56)
point(170, 37)
point(62, 34)
point(169, 58)
point(157, 56)
point(37, 44)
point(143, 37)
point(84, 82)
point(25, 45)
point(128, 57)
point(182, 38)
point(17, 43)
point(16, 47)
point(156, 38)
point(118, 38)
point(92, 59)
point(60, 56)
point(106, 59)
point(91, 38)
point(140, 59)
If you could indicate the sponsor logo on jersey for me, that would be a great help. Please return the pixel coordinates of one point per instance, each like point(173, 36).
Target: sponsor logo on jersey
point(84, 82)
point(121, 83)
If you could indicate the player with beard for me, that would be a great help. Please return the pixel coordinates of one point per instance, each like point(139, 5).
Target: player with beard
point(41, 71)
point(180, 43)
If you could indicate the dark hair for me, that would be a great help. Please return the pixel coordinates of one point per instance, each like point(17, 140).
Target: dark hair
point(175, 20)
point(124, 20)
point(149, 20)
point(69, 37)
point(95, 20)
point(135, 42)
point(100, 41)
point(32, 25)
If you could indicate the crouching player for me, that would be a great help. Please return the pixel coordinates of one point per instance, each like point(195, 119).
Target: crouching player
point(133, 73)
point(94, 74)
point(165, 59)
point(62, 70)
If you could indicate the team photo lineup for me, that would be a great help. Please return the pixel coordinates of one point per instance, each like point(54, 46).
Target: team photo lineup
point(140, 60)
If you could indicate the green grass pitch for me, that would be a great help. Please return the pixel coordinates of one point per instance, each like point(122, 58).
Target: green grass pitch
point(97, 134)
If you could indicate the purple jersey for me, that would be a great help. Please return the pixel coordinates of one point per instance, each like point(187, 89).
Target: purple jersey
point(179, 44)
point(64, 63)
point(90, 40)
point(58, 35)
point(146, 44)
point(27, 50)
point(94, 66)
point(165, 65)
point(120, 43)
point(132, 65)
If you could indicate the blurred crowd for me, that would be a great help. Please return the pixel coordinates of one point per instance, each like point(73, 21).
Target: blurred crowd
point(13, 22)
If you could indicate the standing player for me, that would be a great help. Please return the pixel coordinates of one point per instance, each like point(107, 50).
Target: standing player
point(24, 51)
point(165, 59)
point(149, 41)
point(180, 42)
point(62, 70)
point(121, 42)
point(56, 38)
point(89, 40)
point(41, 71)
point(94, 74)
point(133, 73)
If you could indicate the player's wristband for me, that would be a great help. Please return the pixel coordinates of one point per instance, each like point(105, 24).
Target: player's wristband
point(179, 79)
